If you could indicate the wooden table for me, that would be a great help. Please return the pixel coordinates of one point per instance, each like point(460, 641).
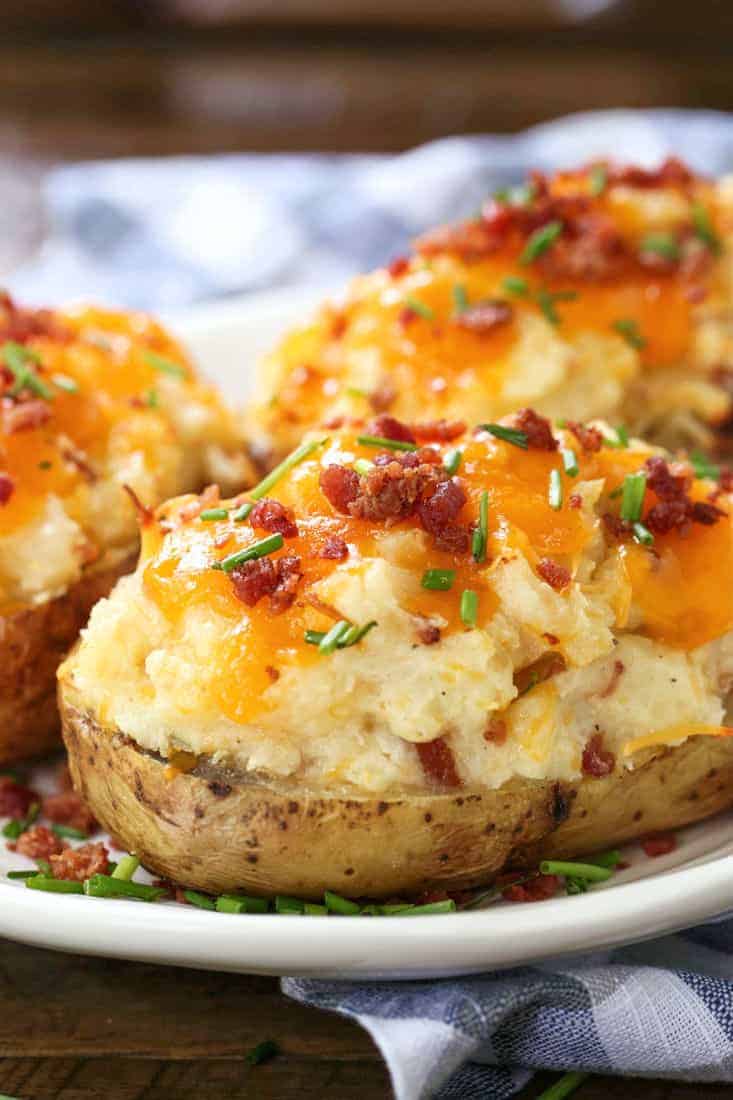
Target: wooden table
point(75, 1028)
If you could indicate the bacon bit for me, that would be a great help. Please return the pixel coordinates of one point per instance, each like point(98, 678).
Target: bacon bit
point(439, 431)
point(428, 633)
point(339, 324)
point(659, 844)
point(78, 864)
point(549, 664)
point(470, 240)
point(334, 549)
point(386, 427)
point(398, 266)
point(273, 673)
point(15, 800)
point(575, 500)
point(675, 510)
point(484, 317)
point(340, 486)
point(618, 528)
point(7, 488)
point(145, 515)
point(537, 429)
point(706, 513)
point(496, 732)
point(557, 576)
point(667, 485)
point(438, 513)
point(618, 671)
point(209, 498)
point(438, 763)
point(590, 439)
point(20, 325)
point(672, 172)
point(38, 842)
point(392, 490)
point(406, 316)
point(69, 808)
point(597, 761)
point(271, 515)
point(264, 577)
point(23, 416)
point(384, 396)
point(541, 888)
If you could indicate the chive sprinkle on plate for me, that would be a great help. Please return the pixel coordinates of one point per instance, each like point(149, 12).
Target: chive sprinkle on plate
point(569, 461)
point(293, 459)
point(539, 242)
point(481, 531)
point(452, 462)
point(420, 308)
point(438, 580)
point(661, 244)
point(554, 492)
point(632, 498)
point(259, 549)
point(629, 329)
point(469, 607)
point(514, 284)
point(460, 298)
point(20, 362)
point(509, 435)
point(385, 444)
point(163, 365)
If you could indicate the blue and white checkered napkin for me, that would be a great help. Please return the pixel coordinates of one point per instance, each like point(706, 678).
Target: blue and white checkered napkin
point(661, 1009)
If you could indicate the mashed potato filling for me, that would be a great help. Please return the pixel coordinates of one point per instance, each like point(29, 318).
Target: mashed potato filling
point(560, 651)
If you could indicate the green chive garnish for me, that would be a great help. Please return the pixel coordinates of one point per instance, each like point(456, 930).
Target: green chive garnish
point(643, 535)
point(288, 905)
point(363, 466)
point(354, 391)
point(704, 228)
point(447, 906)
point(605, 859)
point(540, 241)
point(294, 459)
point(239, 515)
point(385, 444)
point(163, 365)
point(107, 886)
point(347, 636)
point(314, 637)
point(575, 886)
point(259, 549)
point(54, 885)
point(546, 301)
point(598, 179)
point(481, 532)
point(18, 360)
point(568, 1083)
point(152, 400)
point(452, 462)
point(210, 514)
point(590, 872)
point(509, 435)
point(332, 637)
point(460, 298)
point(416, 306)
point(662, 244)
point(629, 329)
point(569, 461)
point(513, 284)
point(355, 633)
point(312, 909)
point(520, 195)
point(262, 1052)
point(241, 903)
point(63, 382)
point(13, 829)
point(438, 580)
point(632, 498)
point(703, 467)
point(126, 868)
point(344, 906)
point(201, 901)
point(69, 833)
point(469, 607)
point(22, 874)
point(554, 493)
point(619, 440)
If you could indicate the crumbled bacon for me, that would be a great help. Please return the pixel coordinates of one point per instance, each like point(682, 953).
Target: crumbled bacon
point(597, 761)
point(590, 248)
point(438, 513)
point(264, 577)
point(537, 430)
point(428, 633)
point(386, 427)
point(20, 325)
point(439, 431)
point(340, 486)
point(659, 844)
point(391, 491)
point(470, 240)
point(538, 888)
point(23, 416)
point(484, 317)
point(398, 266)
point(675, 510)
point(7, 487)
point(575, 500)
point(618, 528)
point(271, 515)
point(406, 316)
point(78, 864)
point(590, 439)
point(15, 800)
point(69, 808)
point(438, 762)
point(496, 731)
point(549, 664)
point(616, 674)
point(557, 576)
point(706, 513)
point(666, 483)
point(38, 842)
point(208, 498)
point(672, 172)
point(334, 548)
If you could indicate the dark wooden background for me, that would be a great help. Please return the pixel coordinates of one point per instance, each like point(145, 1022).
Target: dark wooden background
point(84, 78)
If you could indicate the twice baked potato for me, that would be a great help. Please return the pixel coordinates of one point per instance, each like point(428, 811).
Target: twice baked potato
point(604, 292)
point(405, 662)
point(91, 401)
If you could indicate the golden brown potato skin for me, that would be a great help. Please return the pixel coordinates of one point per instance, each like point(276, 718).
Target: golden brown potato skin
point(33, 642)
point(220, 832)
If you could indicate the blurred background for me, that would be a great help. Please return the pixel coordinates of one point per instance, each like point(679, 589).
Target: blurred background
point(84, 79)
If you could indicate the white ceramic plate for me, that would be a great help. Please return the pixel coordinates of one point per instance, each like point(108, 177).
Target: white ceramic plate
point(651, 897)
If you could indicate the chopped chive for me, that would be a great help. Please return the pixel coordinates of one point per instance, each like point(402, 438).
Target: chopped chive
point(438, 580)
point(452, 462)
point(513, 284)
point(354, 391)
point(239, 515)
point(416, 306)
point(126, 868)
point(460, 298)
point(152, 400)
point(575, 886)
point(44, 867)
point(616, 492)
point(632, 498)
point(314, 637)
point(294, 459)
point(521, 194)
point(605, 859)
point(22, 874)
point(287, 905)
point(259, 549)
point(598, 180)
point(163, 365)
point(509, 435)
point(554, 493)
point(386, 444)
point(546, 301)
point(111, 866)
point(63, 382)
point(18, 360)
point(620, 439)
point(566, 1084)
point(704, 228)
point(703, 467)
point(469, 607)
point(447, 906)
point(68, 832)
point(108, 886)
point(481, 532)
point(18, 825)
point(539, 242)
point(344, 906)
point(643, 535)
point(569, 461)
point(210, 514)
point(355, 633)
point(54, 885)
point(312, 909)
point(45, 464)
point(629, 329)
point(262, 1052)
point(241, 903)
point(363, 466)
point(588, 871)
point(330, 640)
point(201, 901)
point(662, 244)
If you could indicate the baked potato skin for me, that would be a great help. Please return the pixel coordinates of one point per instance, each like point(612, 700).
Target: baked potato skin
point(33, 642)
point(218, 832)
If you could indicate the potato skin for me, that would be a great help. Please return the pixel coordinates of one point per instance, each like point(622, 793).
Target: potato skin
point(33, 642)
point(221, 832)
